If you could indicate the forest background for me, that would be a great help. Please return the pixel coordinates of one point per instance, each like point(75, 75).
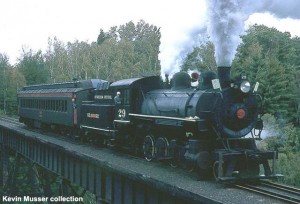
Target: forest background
point(266, 55)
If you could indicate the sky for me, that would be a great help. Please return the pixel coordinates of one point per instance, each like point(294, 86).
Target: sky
point(29, 23)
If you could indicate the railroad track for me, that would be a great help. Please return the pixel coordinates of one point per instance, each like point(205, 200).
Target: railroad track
point(281, 192)
point(11, 120)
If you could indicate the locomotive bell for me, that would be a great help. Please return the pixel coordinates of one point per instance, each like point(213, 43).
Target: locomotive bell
point(195, 76)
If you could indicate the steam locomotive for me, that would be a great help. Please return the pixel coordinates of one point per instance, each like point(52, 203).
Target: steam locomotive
point(203, 127)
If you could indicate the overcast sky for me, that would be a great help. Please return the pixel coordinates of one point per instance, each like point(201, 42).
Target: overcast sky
point(29, 23)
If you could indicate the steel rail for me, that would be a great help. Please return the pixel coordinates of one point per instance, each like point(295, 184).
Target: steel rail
point(10, 119)
point(277, 191)
point(286, 188)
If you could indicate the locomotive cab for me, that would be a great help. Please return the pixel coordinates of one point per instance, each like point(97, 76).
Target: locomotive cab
point(131, 95)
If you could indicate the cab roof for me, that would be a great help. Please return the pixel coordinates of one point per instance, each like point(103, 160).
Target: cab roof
point(135, 81)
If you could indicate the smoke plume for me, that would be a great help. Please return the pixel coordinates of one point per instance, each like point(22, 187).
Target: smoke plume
point(226, 21)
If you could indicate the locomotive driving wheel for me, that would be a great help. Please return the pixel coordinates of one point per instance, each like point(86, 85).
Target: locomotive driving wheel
point(174, 154)
point(217, 170)
point(162, 146)
point(149, 148)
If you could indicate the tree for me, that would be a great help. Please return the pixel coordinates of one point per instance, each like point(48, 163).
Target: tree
point(249, 64)
point(11, 80)
point(57, 62)
point(201, 58)
point(33, 68)
point(102, 37)
point(266, 55)
point(145, 41)
point(275, 81)
point(4, 67)
point(15, 82)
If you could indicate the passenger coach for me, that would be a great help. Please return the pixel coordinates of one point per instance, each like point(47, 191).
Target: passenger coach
point(55, 105)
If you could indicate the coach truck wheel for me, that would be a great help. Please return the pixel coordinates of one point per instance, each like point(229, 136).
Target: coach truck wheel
point(148, 147)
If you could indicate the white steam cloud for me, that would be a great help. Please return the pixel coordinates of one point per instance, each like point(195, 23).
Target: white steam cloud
point(185, 28)
point(225, 24)
point(227, 21)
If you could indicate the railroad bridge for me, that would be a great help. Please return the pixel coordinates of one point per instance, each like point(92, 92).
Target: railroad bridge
point(111, 176)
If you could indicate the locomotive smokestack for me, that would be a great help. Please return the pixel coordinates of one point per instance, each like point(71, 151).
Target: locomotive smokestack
point(167, 78)
point(224, 76)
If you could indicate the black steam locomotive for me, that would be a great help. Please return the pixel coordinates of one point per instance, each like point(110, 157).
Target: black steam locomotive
point(203, 127)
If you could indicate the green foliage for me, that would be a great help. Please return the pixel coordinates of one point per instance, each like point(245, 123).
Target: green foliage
point(33, 68)
point(4, 67)
point(144, 40)
point(101, 37)
point(11, 80)
point(275, 80)
point(201, 58)
point(284, 138)
point(267, 55)
point(288, 165)
point(281, 136)
point(27, 179)
point(125, 51)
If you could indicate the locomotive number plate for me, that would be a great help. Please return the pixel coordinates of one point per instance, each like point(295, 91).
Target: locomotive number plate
point(121, 113)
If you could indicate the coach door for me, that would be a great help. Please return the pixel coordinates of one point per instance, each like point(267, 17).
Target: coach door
point(122, 104)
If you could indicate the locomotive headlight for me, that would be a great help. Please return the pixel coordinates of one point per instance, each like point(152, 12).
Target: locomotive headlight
point(245, 86)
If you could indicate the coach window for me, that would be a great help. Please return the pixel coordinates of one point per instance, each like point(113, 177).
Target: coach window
point(59, 105)
point(53, 105)
point(65, 106)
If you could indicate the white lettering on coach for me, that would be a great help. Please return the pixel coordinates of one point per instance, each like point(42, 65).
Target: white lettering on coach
point(92, 115)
